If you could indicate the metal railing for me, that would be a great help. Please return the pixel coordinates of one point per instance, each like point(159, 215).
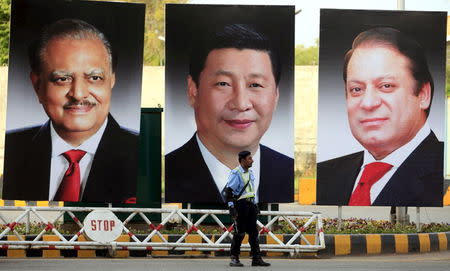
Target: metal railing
point(297, 243)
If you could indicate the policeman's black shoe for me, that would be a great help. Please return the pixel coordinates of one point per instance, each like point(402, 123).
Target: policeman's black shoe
point(235, 261)
point(259, 262)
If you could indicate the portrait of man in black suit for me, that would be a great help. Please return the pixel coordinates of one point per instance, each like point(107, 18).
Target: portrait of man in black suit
point(388, 91)
point(80, 153)
point(233, 89)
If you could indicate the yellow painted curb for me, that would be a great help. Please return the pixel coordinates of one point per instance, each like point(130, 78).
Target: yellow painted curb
point(15, 253)
point(401, 243)
point(122, 253)
point(342, 245)
point(245, 253)
point(50, 253)
point(23, 203)
point(270, 240)
point(85, 253)
point(442, 241)
point(373, 243)
point(311, 239)
point(216, 253)
point(424, 240)
point(42, 203)
point(20, 203)
point(158, 239)
point(193, 239)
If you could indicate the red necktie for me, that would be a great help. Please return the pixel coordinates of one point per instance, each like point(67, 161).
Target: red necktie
point(69, 189)
point(371, 174)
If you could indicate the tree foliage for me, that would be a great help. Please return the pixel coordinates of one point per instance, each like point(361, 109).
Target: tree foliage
point(154, 29)
point(447, 83)
point(306, 55)
point(5, 7)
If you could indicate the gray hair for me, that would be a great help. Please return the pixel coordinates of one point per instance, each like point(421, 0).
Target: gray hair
point(66, 29)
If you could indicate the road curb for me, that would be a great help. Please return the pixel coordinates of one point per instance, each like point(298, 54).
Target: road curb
point(336, 245)
point(373, 244)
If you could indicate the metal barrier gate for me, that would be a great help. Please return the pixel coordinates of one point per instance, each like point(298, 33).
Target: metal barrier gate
point(312, 220)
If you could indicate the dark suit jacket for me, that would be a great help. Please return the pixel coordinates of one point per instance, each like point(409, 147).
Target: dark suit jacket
point(417, 182)
point(113, 174)
point(188, 178)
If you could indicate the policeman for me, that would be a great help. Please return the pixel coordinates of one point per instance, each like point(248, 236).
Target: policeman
point(240, 195)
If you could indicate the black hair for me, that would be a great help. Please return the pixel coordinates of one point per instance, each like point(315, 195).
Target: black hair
point(242, 155)
point(405, 45)
point(239, 36)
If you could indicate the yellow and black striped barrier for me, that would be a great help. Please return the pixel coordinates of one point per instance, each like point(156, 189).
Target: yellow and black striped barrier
point(22, 203)
point(369, 244)
point(336, 245)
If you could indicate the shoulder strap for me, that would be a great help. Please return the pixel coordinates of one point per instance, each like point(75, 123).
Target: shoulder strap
point(245, 186)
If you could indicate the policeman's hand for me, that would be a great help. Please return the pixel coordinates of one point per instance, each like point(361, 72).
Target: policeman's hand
point(233, 212)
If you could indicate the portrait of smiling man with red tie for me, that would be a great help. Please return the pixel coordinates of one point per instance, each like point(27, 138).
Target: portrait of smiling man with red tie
point(388, 93)
point(81, 153)
point(229, 88)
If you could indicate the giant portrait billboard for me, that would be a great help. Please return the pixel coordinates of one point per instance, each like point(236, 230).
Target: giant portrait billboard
point(229, 88)
point(73, 109)
point(381, 108)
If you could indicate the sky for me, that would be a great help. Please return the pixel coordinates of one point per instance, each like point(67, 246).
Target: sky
point(307, 21)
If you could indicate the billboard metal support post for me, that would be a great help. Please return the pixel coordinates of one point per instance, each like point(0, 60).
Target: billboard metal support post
point(27, 223)
point(418, 219)
point(189, 215)
point(401, 4)
point(402, 216)
point(269, 208)
point(401, 212)
point(339, 217)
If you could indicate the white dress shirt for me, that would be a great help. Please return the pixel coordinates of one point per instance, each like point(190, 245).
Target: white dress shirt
point(396, 158)
point(220, 172)
point(59, 163)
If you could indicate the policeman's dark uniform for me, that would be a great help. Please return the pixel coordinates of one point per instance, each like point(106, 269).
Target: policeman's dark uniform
point(246, 209)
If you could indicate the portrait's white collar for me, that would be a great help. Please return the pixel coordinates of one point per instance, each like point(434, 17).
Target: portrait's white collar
point(397, 157)
point(60, 146)
point(220, 172)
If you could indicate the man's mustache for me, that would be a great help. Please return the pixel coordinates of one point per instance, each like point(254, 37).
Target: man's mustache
point(70, 104)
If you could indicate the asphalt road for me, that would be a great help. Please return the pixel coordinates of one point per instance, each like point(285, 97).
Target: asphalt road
point(411, 262)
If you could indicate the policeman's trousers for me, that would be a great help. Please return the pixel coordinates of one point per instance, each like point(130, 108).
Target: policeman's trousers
point(246, 223)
